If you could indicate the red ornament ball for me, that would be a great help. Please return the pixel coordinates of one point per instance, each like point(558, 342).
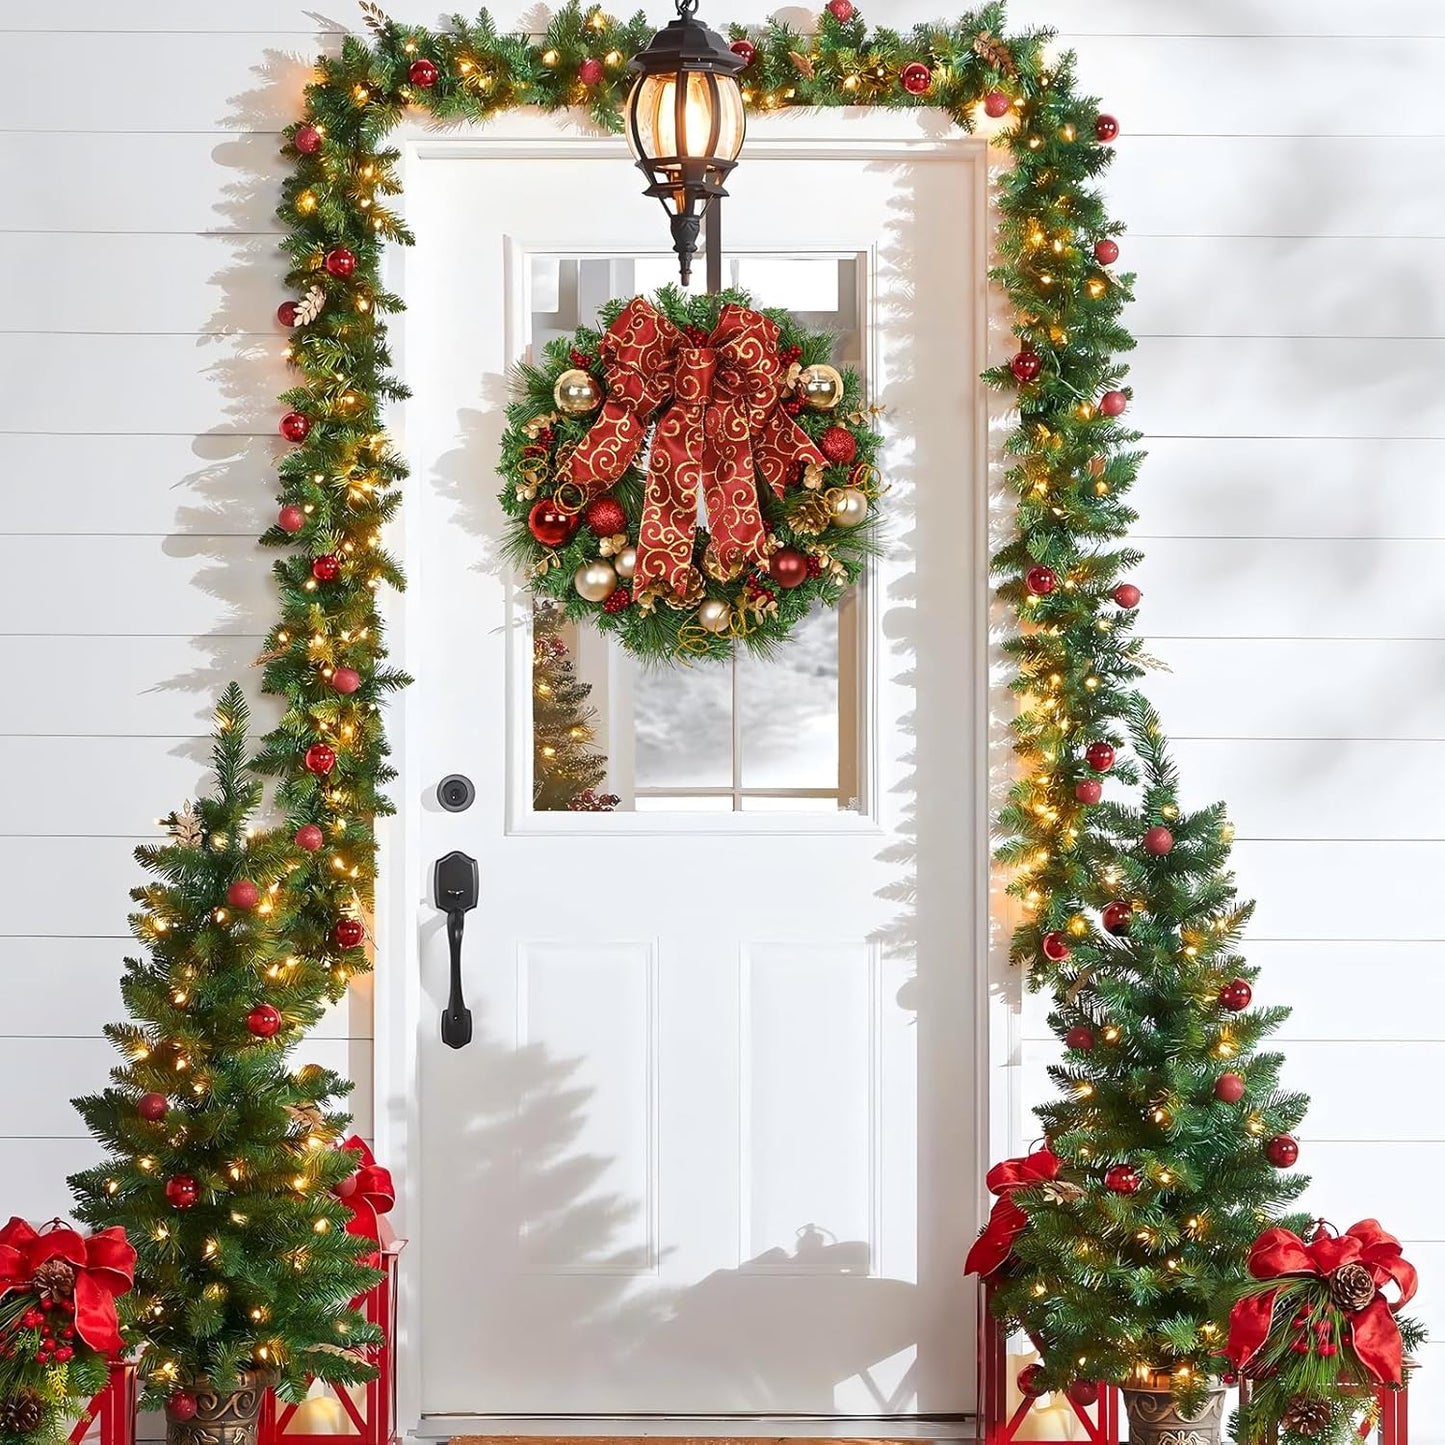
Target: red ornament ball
point(291, 518)
point(1229, 1088)
point(1041, 580)
point(1028, 1380)
point(286, 313)
point(1282, 1151)
point(1116, 918)
point(295, 427)
point(182, 1191)
point(590, 72)
point(152, 1107)
point(326, 567)
point(1100, 757)
point(264, 1021)
point(746, 49)
point(1080, 1037)
point(1026, 366)
point(841, 10)
point(1158, 841)
point(243, 894)
point(1126, 594)
point(550, 525)
point(307, 139)
point(346, 679)
point(788, 567)
point(320, 759)
point(423, 72)
point(1088, 791)
point(341, 262)
point(1084, 1392)
point(1236, 995)
point(996, 104)
point(1106, 128)
point(309, 837)
point(348, 933)
point(181, 1406)
point(605, 517)
point(1122, 1179)
point(1112, 403)
point(915, 78)
point(839, 445)
point(1106, 252)
point(1055, 947)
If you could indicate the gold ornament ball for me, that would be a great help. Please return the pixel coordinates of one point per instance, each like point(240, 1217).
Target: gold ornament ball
point(850, 507)
point(821, 387)
point(626, 563)
point(595, 581)
point(715, 616)
point(577, 392)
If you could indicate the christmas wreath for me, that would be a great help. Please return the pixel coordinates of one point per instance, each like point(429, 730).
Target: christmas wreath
point(617, 435)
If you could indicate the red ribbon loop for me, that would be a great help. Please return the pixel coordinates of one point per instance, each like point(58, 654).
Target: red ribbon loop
point(722, 434)
point(368, 1193)
point(991, 1250)
point(104, 1266)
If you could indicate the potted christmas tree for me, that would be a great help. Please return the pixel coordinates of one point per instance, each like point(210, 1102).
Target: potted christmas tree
point(222, 1166)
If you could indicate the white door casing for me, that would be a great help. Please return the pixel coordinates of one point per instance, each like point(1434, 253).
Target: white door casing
point(715, 1146)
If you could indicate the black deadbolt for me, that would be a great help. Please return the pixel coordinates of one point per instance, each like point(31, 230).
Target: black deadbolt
point(455, 793)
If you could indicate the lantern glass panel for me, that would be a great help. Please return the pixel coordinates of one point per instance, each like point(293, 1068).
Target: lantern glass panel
point(713, 124)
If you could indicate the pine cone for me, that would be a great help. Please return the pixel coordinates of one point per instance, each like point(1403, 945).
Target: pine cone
point(54, 1280)
point(21, 1413)
point(992, 51)
point(1352, 1286)
point(1306, 1417)
point(812, 516)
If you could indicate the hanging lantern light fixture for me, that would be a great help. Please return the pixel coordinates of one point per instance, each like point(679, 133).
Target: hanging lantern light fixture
point(685, 122)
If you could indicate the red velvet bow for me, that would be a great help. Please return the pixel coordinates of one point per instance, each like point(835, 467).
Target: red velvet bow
point(722, 433)
point(1373, 1331)
point(1007, 1221)
point(104, 1266)
point(369, 1193)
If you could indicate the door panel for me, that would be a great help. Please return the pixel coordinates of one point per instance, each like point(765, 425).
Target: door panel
point(712, 1147)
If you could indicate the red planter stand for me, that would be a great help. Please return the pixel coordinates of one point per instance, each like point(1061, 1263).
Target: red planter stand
point(109, 1419)
point(359, 1414)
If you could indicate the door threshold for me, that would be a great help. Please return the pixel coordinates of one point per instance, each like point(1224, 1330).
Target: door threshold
point(694, 1429)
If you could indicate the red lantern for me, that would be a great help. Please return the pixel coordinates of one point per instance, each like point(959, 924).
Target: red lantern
point(109, 1418)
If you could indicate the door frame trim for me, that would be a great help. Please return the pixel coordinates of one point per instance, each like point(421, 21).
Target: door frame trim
point(840, 133)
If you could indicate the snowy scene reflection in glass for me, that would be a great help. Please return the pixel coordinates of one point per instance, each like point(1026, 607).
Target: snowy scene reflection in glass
point(781, 735)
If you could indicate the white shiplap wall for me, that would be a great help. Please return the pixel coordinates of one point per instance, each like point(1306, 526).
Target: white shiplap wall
point(1279, 173)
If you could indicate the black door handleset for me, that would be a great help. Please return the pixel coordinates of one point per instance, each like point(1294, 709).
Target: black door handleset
point(455, 886)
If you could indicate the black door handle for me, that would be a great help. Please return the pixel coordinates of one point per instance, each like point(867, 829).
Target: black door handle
point(456, 885)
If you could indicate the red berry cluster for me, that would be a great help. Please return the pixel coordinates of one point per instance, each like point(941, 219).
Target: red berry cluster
point(789, 356)
point(1316, 1337)
point(758, 589)
point(619, 601)
point(46, 1318)
point(580, 358)
point(815, 566)
point(696, 335)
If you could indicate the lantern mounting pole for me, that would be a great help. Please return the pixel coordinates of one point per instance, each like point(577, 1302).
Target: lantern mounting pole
point(713, 243)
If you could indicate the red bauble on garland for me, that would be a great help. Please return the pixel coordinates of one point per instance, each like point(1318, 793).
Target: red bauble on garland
point(295, 427)
point(1282, 1151)
point(326, 568)
point(181, 1406)
point(746, 49)
point(1026, 366)
point(1116, 918)
point(1229, 1088)
point(996, 104)
point(605, 517)
point(1041, 580)
point(182, 1191)
point(1055, 947)
point(1029, 1382)
point(1113, 403)
point(1127, 595)
point(915, 78)
point(1106, 129)
point(348, 933)
point(264, 1021)
point(1106, 252)
point(346, 679)
point(307, 139)
point(1080, 1037)
point(243, 894)
point(788, 567)
point(341, 262)
point(841, 10)
point(839, 445)
point(309, 837)
point(1158, 841)
point(1122, 1179)
point(1088, 791)
point(1100, 756)
point(152, 1107)
point(1083, 1392)
point(320, 759)
point(422, 72)
point(286, 313)
point(291, 518)
point(590, 72)
point(1236, 995)
point(551, 526)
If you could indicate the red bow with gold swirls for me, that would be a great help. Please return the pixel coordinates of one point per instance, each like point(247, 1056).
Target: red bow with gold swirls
point(368, 1193)
point(1364, 1248)
point(88, 1271)
point(992, 1248)
point(722, 433)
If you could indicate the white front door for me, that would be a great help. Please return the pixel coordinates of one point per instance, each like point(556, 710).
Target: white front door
point(712, 1148)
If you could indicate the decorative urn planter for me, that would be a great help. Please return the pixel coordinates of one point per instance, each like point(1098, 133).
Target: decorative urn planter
point(220, 1418)
point(1156, 1419)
